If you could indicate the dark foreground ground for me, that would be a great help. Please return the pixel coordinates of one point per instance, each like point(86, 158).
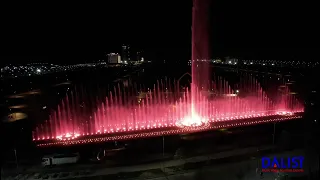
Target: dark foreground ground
point(289, 135)
point(232, 167)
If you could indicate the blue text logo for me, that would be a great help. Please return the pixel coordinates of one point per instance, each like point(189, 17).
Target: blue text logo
point(284, 164)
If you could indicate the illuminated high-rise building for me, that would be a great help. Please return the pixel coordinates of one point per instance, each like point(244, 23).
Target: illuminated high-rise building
point(125, 52)
point(114, 58)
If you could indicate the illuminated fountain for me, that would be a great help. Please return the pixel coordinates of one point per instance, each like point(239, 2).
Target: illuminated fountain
point(166, 108)
point(161, 108)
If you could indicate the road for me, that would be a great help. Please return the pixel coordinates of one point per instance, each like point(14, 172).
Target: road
point(233, 170)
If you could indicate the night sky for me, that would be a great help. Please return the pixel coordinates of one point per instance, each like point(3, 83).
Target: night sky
point(74, 32)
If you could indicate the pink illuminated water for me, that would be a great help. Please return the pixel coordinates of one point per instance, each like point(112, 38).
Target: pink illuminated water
point(164, 106)
point(161, 108)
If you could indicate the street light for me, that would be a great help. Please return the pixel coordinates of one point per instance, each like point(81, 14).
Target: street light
point(163, 146)
point(163, 154)
point(15, 155)
point(163, 161)
point(274, 133)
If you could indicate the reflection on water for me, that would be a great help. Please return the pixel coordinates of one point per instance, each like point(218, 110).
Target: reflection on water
point(22, 95)
point(61, 84)
point(15, 117)
point(22, 106)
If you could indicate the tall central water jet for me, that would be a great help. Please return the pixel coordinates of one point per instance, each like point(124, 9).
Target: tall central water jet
point(199, 62)
point(200, 45)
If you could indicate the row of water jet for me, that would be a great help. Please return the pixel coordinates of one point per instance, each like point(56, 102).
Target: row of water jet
point(119, 112)
point(283, 100)
point(159, 107)
point(287, 101)
point(70, 119)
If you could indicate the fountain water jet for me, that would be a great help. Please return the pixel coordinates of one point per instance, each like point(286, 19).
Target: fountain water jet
point(161, 108)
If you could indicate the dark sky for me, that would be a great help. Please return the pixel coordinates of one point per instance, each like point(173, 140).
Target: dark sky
point(267, 29)
point(74, 32)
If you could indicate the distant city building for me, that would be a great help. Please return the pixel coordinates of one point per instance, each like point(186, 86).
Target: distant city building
point(125, 53)
point(229, 60)
point(114, 58)
point(139, 56)
point(217, 60)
